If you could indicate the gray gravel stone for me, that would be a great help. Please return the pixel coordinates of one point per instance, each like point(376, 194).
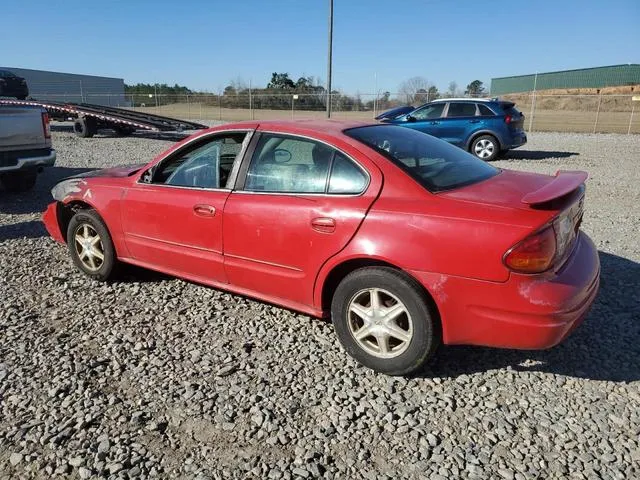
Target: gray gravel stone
point(154, 377)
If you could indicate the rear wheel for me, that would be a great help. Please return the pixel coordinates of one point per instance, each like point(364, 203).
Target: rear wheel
point(485, 147)
point(85, 127)
point(20, 181)
point(383, 320)
point(90, 245)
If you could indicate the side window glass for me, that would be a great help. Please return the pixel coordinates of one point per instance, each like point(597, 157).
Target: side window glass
point(429, 112)
point(289, 165)
point(461, 110)
point(485, 111)
point(206, 165)
point(346, 177)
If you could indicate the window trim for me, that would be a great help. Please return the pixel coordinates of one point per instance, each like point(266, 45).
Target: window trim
point(246, 163)
point(204, 139)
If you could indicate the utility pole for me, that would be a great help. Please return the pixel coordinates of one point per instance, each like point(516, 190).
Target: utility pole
point(329, 59)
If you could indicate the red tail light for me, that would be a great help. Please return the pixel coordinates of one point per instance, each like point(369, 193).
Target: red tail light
point(534, 254)
point(507, 119)
point(46, 128)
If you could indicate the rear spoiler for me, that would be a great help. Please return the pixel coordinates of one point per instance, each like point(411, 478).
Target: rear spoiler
point(564, 182)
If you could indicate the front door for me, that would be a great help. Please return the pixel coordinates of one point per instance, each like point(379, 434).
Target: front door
point(301, 203)
point(427, 119)
point(172, 217)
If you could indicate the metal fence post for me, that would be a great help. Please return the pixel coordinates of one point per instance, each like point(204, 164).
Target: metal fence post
point(533, 110)
point(219, 107)
point(633, 107)
point(595, 125)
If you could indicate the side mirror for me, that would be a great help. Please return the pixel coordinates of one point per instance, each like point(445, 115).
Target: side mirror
point(147, 176)
point(410, 118)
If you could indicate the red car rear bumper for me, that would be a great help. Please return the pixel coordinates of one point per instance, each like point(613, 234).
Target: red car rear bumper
point(526, 312)
point(50, 220)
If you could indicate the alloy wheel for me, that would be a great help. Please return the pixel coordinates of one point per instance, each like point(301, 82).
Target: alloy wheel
point(484, 148)
point(89, 247)
point(380, 323)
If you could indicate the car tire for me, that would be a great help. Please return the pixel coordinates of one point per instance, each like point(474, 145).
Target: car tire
point(410, 325)
point(85, 226)
point(21, 181)
point(85, 127)
point(485, 147)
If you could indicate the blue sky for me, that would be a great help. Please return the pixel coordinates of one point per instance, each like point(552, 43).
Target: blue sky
point(206, 44)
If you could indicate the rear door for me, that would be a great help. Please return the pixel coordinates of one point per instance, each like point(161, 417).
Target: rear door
point(299, 201)
point(172, 217)
point(461, 120)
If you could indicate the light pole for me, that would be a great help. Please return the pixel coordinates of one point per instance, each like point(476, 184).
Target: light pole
point(329, 59)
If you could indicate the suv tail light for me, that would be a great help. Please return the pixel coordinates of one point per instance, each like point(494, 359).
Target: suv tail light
point(507, 119)
point(534, 254)
point(46, 128)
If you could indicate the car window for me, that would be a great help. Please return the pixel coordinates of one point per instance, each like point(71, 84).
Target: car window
point(205, 165)
point(461, 110)
point(6, 74)
point(429, 112)
point(346, 177)
point(289, 165)
point(433, 163)
point(485, 111)
point(299, 165)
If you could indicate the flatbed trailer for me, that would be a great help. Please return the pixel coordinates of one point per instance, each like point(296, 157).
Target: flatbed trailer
point(88, 118)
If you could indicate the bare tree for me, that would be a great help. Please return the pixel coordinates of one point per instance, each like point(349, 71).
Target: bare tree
point(413, 89)
point(453, 89)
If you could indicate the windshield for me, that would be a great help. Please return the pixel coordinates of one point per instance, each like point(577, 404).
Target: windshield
point(433, 163)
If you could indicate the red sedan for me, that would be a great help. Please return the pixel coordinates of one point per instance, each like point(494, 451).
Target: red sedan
point(403, 240)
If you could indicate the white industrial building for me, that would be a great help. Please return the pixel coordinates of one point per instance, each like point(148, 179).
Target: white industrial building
point(71, 87)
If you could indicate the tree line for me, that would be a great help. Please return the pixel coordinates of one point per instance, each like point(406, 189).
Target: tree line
point(311, 95)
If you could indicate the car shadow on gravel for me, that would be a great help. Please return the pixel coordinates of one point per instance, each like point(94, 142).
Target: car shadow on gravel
point(36, 199)
point(605, 347)
point(535, 155)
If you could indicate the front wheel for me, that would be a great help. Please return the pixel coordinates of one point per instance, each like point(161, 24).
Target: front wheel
point(485, 147)
point(90, 245)
point(383, 320)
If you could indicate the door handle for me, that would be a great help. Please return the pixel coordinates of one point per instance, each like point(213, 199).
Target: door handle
point(323, 224)
point(434, 123)
point(474, 121)
point(204, 210)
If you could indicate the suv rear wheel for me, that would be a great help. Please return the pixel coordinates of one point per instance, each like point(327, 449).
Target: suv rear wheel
point(485, 147)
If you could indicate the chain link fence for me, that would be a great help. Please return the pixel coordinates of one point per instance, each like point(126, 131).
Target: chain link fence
point(605, 113)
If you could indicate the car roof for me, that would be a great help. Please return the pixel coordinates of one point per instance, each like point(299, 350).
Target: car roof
point(331, 126)
point(465, 99)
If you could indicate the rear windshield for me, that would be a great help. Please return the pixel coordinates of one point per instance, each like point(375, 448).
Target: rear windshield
point(435, 164)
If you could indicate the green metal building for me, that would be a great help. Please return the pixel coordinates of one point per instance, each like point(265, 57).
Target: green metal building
point(598, 77)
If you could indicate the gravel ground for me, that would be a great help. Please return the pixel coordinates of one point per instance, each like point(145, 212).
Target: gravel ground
point(153, 376)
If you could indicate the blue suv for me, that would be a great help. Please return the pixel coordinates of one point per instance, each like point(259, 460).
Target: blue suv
point(484, 127)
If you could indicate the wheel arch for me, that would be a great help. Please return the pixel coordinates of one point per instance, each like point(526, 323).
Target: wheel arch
point(66, 211)
point(479, 133)
point(339, 271)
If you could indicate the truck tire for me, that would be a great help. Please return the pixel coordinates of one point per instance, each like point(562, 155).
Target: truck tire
point(85, 127)
point(20, 181)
